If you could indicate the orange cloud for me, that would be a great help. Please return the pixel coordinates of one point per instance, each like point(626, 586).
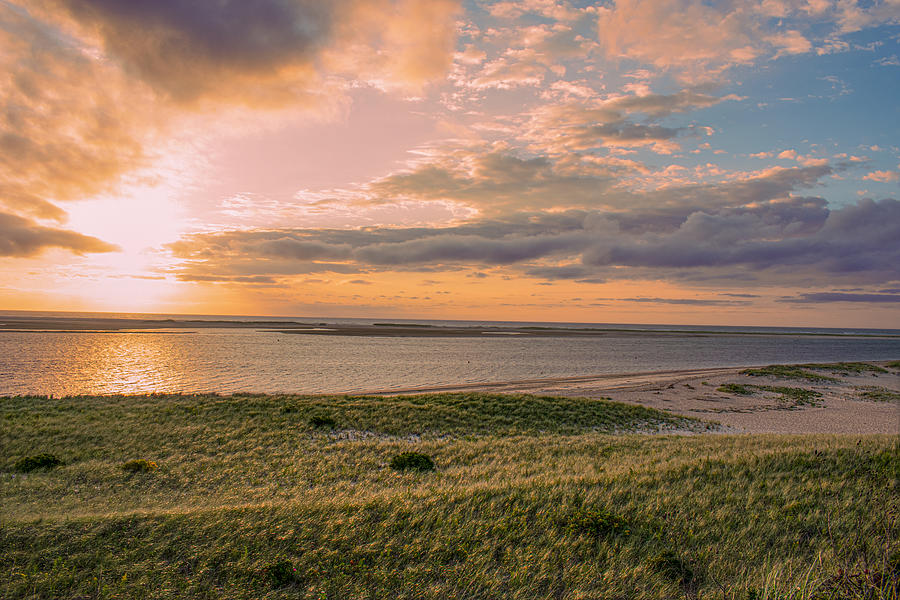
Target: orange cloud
point(88, 87)
point(21, 237)
point(71, 128)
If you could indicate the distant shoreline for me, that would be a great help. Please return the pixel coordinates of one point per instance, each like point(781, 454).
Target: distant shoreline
point(20, 324)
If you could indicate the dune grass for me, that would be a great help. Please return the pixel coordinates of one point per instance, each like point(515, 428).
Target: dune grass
point(789, 372)
point(531, 498)
point(808, 371)
point(878, 394)
point(788, 397)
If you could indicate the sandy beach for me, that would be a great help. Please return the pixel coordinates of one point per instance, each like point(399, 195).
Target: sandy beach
point(844, 406)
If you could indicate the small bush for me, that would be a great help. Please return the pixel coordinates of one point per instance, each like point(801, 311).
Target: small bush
point(139, 465)
point(598, 523)
point(28, 464)
point(736, 388)
point(412, 461)
point(282, 573)
point(675, 569)
point(323, 422)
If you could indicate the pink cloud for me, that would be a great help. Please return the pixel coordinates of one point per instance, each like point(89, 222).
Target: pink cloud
point(883, 176)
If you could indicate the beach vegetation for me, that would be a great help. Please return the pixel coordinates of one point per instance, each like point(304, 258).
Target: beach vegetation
point(282, 573)
point(37, 462)
point(412, 461)
point(878, 394)
point(139, 465)
point(323, 422)
point(789, 372)
point(598, 523)
point(846, 368)
point(252, 504)
point(737, 388)
point(793, 396)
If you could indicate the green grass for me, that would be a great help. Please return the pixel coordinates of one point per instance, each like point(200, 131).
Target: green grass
point(846, 368)
point(789, 372)
point(894, 364)
point(789, 396)
point(738, 389)
point(250, 501)
point(878, 394)
point(806, 371)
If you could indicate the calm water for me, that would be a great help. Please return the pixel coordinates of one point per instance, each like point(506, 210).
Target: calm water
point(233, 360)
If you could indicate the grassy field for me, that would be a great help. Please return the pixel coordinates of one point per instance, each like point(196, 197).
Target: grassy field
point(530, 497)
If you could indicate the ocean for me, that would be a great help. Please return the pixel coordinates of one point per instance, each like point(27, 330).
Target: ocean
point(252, 359)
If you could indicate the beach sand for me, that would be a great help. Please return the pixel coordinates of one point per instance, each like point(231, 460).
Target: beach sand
point(842, 408)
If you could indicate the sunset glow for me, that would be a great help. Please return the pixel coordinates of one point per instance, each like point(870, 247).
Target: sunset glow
point(674, 161)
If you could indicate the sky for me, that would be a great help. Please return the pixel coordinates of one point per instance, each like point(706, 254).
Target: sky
point(631, 161)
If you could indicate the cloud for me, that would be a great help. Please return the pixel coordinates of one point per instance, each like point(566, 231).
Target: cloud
point(827, 297)
point(685, 301)
point(189, 49)
point(882, 176)
point(266, 52)
point(579, 126)
point(699, 40)
point(771, 242)
point(20, 237)
point(862, 240)
point(888, 61)
point(90, 88)
point(69, 129)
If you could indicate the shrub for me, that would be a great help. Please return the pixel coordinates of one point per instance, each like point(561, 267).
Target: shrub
point(412, 461)
point(323, 422)
point(28, 464)
point(139, 465)
point(598, 523)
point(675, 569)
point(735, 388)
point(282, 573)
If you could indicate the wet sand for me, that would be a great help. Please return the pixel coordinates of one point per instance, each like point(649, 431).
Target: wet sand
point(842, 407)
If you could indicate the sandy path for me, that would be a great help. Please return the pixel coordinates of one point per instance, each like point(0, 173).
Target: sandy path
point(840, 409)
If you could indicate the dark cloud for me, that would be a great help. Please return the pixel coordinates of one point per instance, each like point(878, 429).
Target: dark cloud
point(559, 272)
point(686, 301)
point(864, 238)
point(186, 49)
point(471, 249)
point(825, 297)
point(20, 237)
point(789, 241)
point(266, 52)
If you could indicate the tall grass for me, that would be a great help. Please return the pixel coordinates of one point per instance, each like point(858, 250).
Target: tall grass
point(531, 498)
